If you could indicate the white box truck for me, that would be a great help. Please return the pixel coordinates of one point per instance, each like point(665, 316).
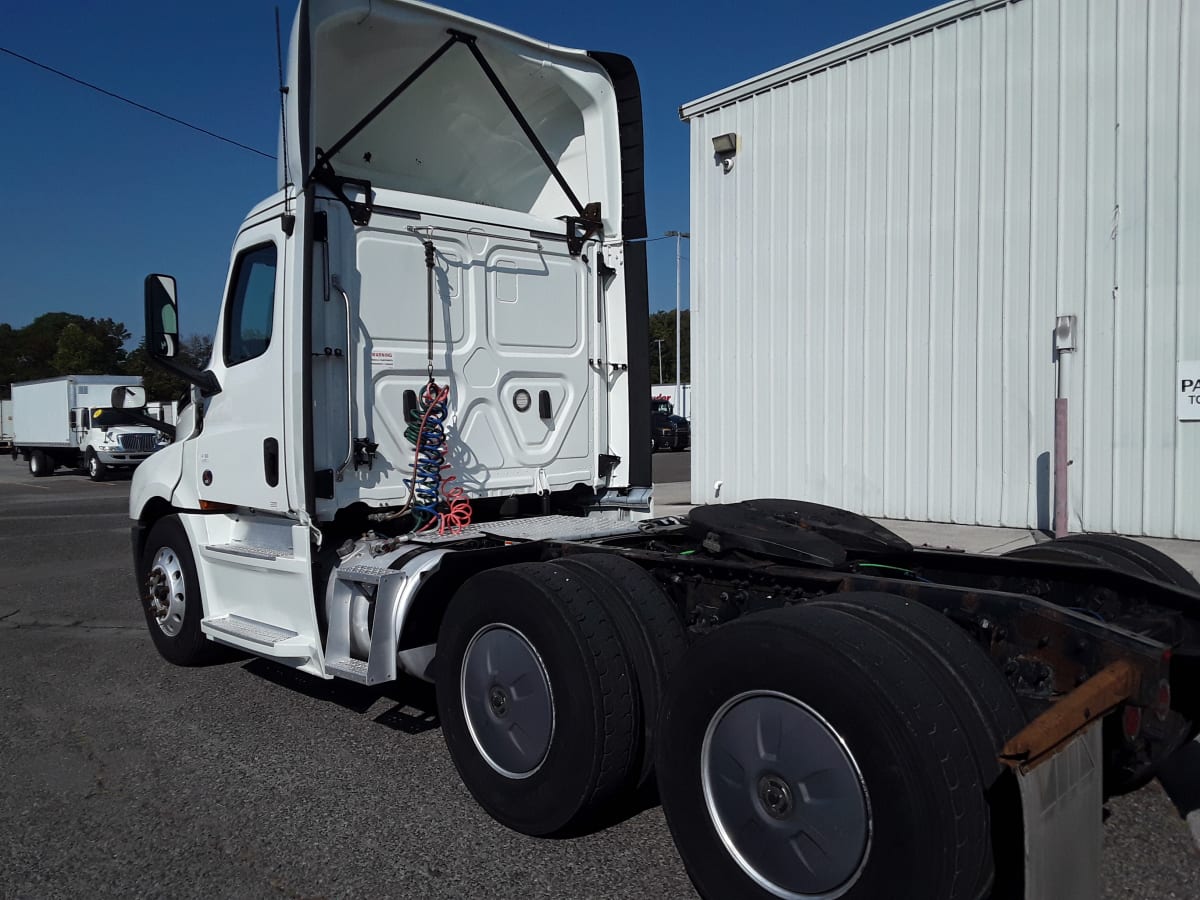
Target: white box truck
point(420, 450)
point(6, 431)
point(164, 411)
point(92, 422)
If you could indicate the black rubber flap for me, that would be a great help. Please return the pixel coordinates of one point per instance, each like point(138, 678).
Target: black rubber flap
point(739, 526)
point(856, 533)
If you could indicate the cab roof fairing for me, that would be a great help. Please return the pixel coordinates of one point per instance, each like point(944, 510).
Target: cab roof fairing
point(449, 135)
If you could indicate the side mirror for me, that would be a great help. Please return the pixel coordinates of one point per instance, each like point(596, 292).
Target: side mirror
point(128, 398)
point(162, 318)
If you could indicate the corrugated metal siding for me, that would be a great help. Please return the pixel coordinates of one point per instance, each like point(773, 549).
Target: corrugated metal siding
point(876, 282)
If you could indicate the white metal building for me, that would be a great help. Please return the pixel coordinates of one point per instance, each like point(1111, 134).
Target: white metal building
point(882, 251)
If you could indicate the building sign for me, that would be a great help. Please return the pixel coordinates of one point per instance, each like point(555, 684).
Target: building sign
point(1188, 386)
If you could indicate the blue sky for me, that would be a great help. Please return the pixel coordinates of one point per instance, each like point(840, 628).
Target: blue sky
point(97, 194)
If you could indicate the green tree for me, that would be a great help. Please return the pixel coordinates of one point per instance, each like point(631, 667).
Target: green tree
point(59, 343)
point(662, 327)
point(80, 353)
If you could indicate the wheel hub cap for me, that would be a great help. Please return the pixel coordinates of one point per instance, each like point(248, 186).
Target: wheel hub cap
point(165, 591)
point(786, 796)
point(507, 701)
point(499, 702)
point(776, 796)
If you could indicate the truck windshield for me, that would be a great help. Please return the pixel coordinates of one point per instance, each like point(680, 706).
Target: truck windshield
point(107, 417)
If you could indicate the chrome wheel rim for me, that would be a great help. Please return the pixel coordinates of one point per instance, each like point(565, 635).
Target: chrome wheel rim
point(166, 591)
point(93, 466)
point(786, 796)
point(507, 701)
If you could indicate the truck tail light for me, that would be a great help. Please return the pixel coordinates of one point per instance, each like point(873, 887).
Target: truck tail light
point(1162, 701)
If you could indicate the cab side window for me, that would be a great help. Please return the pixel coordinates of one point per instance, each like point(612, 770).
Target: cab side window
point(251, 308)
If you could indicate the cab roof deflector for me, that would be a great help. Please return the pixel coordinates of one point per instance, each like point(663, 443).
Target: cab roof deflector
point(323, 173)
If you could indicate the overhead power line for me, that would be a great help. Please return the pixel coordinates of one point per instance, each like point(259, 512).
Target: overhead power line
point(134, 103)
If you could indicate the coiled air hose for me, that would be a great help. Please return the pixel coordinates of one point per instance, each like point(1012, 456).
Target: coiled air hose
point(432, 499)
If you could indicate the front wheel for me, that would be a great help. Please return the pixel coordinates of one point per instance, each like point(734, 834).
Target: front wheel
point(170, 593)
point(96, 470)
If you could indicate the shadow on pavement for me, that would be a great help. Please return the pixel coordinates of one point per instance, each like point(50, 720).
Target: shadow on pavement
point(414, 712)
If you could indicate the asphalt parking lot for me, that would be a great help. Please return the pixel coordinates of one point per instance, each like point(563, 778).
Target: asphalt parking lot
point(124, 776)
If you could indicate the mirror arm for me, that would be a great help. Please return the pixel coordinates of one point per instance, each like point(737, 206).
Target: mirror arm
point(149, 421)
point(206, 380)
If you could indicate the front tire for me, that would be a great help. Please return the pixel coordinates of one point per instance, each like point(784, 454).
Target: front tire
point(96, 470)
point(802, 754)
point(170, 594)
point(535, 697)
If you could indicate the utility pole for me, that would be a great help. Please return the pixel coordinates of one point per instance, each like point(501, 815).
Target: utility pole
point(679, 236)
point(660, 343)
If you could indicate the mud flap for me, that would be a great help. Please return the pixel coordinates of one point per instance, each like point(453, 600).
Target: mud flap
point(1062, 802)
point(1180, 778)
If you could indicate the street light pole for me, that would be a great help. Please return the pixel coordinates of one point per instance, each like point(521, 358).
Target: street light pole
point(660, 343)
point(679, 236)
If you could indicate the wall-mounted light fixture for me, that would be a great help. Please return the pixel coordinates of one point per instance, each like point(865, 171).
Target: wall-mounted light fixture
point(725, 147)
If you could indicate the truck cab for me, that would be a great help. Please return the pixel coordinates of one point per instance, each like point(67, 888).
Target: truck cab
point(419, 449)
point(667, 430)
point(111, 438)
point(453, 212)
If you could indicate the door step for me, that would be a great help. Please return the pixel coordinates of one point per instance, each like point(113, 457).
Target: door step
point(363, 574)
point(351, 669)
point(249, 551)
point(246, 630)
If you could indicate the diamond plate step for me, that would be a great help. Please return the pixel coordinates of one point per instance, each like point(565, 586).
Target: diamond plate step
point(248, 630)
point(352, 669)
point(250, 551)
point(362, 574)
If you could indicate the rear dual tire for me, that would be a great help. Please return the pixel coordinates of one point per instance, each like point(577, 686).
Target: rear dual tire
point(651, 633)
point(40, 465)
point(537, 702)
point(1127, 766)
point(549, 681)
point(824, 751)
point(1116, 551)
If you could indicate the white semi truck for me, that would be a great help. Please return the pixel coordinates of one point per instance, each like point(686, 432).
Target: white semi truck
point(419, 450)
point(91, 422)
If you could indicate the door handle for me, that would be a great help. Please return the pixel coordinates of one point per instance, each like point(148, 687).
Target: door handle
point(271, 461)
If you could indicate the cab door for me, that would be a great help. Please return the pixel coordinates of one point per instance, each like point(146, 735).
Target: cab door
point(240, 452)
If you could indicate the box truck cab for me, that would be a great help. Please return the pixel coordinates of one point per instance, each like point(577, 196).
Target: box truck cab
point(94, 422)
